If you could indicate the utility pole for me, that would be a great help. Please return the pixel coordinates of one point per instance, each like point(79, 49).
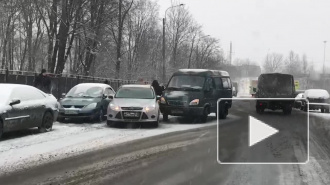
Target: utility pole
point(325, 42)
point(230, 53)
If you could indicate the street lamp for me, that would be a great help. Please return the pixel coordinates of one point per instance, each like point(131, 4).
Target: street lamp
point(192, 46)
point(325, 43)
point(164, 45)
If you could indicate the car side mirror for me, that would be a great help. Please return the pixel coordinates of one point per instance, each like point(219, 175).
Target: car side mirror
point(110, 96)
point(63, 95)
point(158, 97)
point(14, 102)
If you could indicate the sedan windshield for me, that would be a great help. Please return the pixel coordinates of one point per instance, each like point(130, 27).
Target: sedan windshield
point(85, 91)
point(187, 82)
point(135, 93)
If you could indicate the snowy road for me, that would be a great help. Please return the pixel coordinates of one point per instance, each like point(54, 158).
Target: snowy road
point(171, 154)
point(25, 149)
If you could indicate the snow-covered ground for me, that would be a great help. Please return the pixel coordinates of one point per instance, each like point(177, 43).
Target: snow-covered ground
point(68, 139)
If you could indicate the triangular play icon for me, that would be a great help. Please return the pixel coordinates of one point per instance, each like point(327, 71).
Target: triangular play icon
point(259, 131)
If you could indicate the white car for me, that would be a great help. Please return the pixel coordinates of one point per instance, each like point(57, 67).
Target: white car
point(134, 103)
point(317, 99)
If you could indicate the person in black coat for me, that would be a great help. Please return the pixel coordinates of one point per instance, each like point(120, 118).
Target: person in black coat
point(43, 82)
point(157, 88)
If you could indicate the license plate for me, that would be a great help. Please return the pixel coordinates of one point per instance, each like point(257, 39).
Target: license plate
point(71, 112)
point(131, 114)
point(177, 111)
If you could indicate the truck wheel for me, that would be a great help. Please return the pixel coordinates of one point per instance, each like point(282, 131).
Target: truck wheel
point(260, 110)
point(287, 110)
point(305, 108)
point(165, 117)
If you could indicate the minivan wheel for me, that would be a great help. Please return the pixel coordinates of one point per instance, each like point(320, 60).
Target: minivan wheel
point(1, 129)
point(205, 114)
point(223, 111)
point(47, 123)
point(165, 117)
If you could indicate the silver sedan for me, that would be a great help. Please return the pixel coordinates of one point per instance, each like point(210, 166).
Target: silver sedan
point(134, 103)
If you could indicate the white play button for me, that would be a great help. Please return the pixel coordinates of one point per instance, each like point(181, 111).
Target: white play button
point(259, 131)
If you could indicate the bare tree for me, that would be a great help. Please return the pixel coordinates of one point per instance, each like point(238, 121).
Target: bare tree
point(304, 64)
point(292, 64)
point(178, 27)
point(273, 62)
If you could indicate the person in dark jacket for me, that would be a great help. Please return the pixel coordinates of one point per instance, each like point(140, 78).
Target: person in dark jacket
point(157, 88)
point(107, 82)
point(43, 82)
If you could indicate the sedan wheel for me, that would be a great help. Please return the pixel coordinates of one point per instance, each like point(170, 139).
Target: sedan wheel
point(47, 123)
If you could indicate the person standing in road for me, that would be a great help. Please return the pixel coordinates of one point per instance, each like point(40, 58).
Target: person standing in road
point(158, 89)
point(107, 82)
point(43, 82)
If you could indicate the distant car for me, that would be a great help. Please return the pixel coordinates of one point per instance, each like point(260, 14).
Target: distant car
point(235, 88)
point(234, 91)
point(134, 103)
point(317, 99)
point(298, 101)
point(87, 101)
point(23, 106)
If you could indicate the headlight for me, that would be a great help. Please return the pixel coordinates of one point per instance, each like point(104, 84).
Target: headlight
point(90, 106)
point(114, 107)
point(162, 100)
point(194, 102)
point(150, 108)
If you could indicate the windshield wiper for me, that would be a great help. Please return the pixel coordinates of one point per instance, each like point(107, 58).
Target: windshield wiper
point(191, 89)
point(87, 96)
point(173, 88)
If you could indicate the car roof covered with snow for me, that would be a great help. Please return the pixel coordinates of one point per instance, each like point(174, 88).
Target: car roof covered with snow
point(202, 72)
point(317, 93)
point(5, 86)
point(135, 86)
point(93, 85)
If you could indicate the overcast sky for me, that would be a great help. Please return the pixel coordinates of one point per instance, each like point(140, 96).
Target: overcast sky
point(257, 27)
